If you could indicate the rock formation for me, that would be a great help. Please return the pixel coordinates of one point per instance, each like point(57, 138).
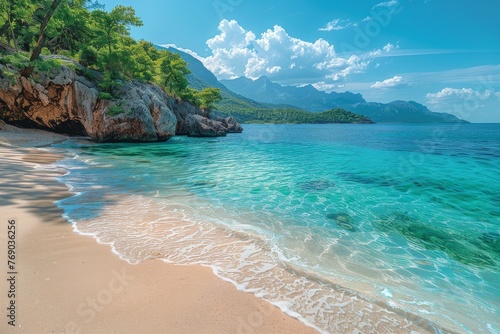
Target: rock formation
point(65, 100)
point(191, 122)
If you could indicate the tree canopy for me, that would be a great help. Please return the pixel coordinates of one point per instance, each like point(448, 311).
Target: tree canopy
point(98, 39)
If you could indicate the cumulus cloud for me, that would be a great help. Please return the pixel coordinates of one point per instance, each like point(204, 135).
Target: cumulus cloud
point(395, 81)
point(336, 24)
point(456, 94)
point(237, 52)
point(230, 50)
point(391, 3)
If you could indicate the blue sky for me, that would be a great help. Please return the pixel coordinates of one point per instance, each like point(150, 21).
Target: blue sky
point(441, 53)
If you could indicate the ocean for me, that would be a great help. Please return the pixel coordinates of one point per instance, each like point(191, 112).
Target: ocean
point(351, 228)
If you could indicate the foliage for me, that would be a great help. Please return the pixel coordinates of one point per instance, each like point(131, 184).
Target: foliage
point(105, 96)
point(69, 28)
point(16, 16)
point(208, 97)
point(111, 26)
point(88, 74)
point(115, 110)
point(46, 66)
point(16, 60)
point(173, 71)
point(88, 56)
point(190, 95)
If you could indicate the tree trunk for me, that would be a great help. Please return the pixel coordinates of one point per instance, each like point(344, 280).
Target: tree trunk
point(26, 72)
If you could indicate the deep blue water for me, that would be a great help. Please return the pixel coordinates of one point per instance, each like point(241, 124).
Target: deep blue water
point(404, 216)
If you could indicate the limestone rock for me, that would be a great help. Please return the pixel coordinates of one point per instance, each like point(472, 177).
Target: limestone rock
point(199, 126)
point(191, 122)
point(231, 125)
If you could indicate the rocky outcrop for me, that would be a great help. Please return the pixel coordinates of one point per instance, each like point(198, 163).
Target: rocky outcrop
point(231, 125)
point(192, 122)
point(66, 101)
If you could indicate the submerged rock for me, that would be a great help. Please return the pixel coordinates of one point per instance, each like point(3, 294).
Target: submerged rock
point(462, 247)
point(343, 220)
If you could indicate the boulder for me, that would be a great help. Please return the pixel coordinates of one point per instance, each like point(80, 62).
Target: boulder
point(192, 122)
point(231, 125)
point(199, 126)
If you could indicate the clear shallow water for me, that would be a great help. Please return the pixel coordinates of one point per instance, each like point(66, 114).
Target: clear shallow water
point(376, 228)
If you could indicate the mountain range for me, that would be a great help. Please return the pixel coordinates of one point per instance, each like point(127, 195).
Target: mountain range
point(243, 97)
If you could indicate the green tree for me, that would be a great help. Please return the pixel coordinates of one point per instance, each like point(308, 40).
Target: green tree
point(48, 12)
point(173, 71)
point(69, 28)
point(112, 34)
point(114, 25)
point(144, 67)
point(190, 95)
point(208, 97)
point(15, 16)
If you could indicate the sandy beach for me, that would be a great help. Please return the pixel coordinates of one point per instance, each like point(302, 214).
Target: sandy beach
point(68, 283)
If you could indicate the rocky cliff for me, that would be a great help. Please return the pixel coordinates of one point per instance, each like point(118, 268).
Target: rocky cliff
point(66, 100)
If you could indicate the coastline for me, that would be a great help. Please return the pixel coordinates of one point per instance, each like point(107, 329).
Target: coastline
point(68, 283)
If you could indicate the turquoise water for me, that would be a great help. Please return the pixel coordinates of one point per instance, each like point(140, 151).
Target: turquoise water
point(317, 219)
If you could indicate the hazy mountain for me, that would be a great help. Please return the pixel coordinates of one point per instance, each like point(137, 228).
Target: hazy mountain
point(401, 112)
point(309, 98)
point(306, 97)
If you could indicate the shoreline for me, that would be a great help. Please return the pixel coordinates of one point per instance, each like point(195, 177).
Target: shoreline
point(69, 283)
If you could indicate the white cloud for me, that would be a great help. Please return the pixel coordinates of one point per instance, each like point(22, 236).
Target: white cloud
point(336, 24)
point(274, 69)
point(386, 4)
point(389, 83)
point(390, 47)
point(447, 95)
point(237, 52)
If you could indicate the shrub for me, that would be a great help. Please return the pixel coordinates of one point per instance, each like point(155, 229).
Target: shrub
point(88, 56)
point(105, 96)
point(115, 110)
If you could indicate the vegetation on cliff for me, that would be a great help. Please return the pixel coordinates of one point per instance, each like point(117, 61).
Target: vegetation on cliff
point(98, 39)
